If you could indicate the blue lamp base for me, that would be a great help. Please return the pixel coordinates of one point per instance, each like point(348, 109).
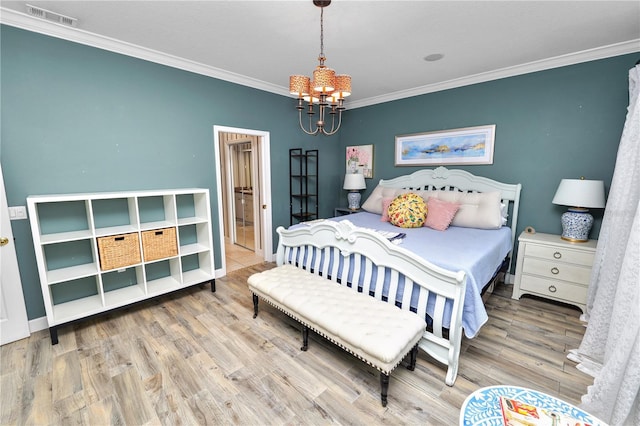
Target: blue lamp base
point(576, 224)
point(354, 200)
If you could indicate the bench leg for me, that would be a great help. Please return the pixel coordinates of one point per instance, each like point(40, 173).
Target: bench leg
point(384, 387)
point(255, 306)
point(305, 338)
point(413, 355)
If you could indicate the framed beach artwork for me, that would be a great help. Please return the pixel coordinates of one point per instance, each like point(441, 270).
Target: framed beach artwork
point(470, 145)
point(360, 160)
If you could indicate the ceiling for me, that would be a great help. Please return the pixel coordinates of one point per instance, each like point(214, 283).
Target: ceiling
point(381, 44)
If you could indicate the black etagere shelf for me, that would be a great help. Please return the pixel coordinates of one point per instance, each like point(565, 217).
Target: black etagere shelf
point(303, 185)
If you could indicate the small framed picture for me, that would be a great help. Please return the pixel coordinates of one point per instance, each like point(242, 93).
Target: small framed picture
point(360, 160)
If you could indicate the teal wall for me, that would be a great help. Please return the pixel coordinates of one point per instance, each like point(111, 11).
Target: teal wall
point(80, 119)
point(550, 125)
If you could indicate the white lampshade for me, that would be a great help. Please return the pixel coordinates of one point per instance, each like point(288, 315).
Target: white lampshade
point(580, 193)
point(354, 181)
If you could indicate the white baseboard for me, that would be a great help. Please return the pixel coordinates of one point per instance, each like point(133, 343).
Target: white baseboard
point(509, 278)
point(38, 324)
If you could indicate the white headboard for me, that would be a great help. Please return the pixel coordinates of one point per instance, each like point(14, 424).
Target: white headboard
point(443, 179)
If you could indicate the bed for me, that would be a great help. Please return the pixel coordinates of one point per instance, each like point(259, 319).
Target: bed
point(485, 253)
point(477, 252)
point(480, 252)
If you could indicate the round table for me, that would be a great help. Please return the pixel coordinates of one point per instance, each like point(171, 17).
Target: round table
point(482, 407)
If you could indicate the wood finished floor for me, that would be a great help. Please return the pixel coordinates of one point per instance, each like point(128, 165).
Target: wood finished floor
point(237, 257)
point(196, 357)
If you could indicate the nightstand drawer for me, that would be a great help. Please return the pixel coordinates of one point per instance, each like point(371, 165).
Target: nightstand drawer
point(557, 270)
point(572, 293)
point(561, 254)
point(551, 267)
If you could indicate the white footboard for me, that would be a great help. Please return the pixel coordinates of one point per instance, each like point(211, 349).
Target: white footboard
point(365, 260)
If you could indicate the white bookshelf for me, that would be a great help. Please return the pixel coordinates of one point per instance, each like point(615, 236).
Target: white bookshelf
point(66, 229)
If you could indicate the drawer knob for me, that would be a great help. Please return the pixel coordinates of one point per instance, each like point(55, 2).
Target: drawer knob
point(557, 255)
point(555, 271)
point(552, 288)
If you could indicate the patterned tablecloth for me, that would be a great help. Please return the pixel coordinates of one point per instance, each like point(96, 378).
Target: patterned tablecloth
point(482, 407)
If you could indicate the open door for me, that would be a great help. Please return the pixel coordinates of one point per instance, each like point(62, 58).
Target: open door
point(14, 324)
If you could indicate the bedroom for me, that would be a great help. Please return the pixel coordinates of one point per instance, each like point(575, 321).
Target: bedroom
point(64, 132)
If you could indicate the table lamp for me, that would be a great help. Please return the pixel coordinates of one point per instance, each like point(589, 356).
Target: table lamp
point(354, 182)
point(580, 195)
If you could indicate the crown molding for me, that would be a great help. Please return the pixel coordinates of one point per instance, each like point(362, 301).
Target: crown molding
point(22, 20)
point(603, 52)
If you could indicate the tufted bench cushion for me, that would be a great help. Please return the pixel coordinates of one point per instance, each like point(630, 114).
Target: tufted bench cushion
point(377, 332)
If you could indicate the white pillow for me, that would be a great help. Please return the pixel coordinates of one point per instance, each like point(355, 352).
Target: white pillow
point(504, 212)
point(374, 201)
point(477, 210)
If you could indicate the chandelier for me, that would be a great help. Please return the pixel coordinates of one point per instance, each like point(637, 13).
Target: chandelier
point(327, 90)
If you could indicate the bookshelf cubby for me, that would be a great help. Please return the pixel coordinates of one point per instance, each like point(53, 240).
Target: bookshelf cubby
point(66, 229)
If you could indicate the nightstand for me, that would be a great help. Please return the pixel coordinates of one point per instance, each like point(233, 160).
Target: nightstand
point(553, 268)
point(342, 211)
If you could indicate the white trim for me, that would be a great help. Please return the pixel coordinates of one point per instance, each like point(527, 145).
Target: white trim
point(216, 157)
point(26, 22)
point(219, 273)
point(602, 52)
point(38, 324)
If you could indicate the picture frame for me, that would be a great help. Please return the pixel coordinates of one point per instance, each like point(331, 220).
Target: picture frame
point(464, 146)
point(359, 159)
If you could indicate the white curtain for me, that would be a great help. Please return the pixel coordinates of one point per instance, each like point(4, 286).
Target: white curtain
point(610, 349)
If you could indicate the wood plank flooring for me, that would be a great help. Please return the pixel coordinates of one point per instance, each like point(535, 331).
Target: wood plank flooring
point(238, 257)
point(196, 357)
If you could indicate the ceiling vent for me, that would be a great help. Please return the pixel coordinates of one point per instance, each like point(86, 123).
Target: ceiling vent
point(41, 13)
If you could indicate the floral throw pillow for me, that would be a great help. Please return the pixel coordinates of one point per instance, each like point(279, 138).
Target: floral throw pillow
point(407, 211)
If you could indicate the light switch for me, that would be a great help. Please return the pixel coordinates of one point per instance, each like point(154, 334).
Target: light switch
point(17, 212)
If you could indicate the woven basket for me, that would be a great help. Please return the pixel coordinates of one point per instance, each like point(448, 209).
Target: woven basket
point(118, 251)
point(159, 244)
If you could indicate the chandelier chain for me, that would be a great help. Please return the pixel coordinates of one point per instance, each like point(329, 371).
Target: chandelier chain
point(322, 58)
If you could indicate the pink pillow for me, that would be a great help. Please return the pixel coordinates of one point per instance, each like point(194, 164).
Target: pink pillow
point(385, 209)
point(440, 213)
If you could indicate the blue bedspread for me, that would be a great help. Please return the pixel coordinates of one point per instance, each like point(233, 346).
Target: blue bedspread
point(478, 252)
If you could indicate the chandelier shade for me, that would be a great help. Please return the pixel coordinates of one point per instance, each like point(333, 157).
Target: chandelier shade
point(342, 87)
point(325, 88)
point(299, 85)
point(324, 80)
point(312, 98)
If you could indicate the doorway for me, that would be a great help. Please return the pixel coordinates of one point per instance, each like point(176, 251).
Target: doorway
point(244, 196)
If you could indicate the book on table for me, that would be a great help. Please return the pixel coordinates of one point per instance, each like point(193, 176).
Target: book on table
point(518, 413)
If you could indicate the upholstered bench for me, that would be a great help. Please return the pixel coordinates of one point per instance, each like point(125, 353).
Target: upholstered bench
point(373, 330)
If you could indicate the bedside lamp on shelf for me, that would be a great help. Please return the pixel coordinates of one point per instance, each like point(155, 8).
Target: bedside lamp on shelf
point(580, 195)
point(354, 182)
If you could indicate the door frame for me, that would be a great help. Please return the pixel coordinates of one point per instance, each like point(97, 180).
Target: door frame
point(264, 212)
